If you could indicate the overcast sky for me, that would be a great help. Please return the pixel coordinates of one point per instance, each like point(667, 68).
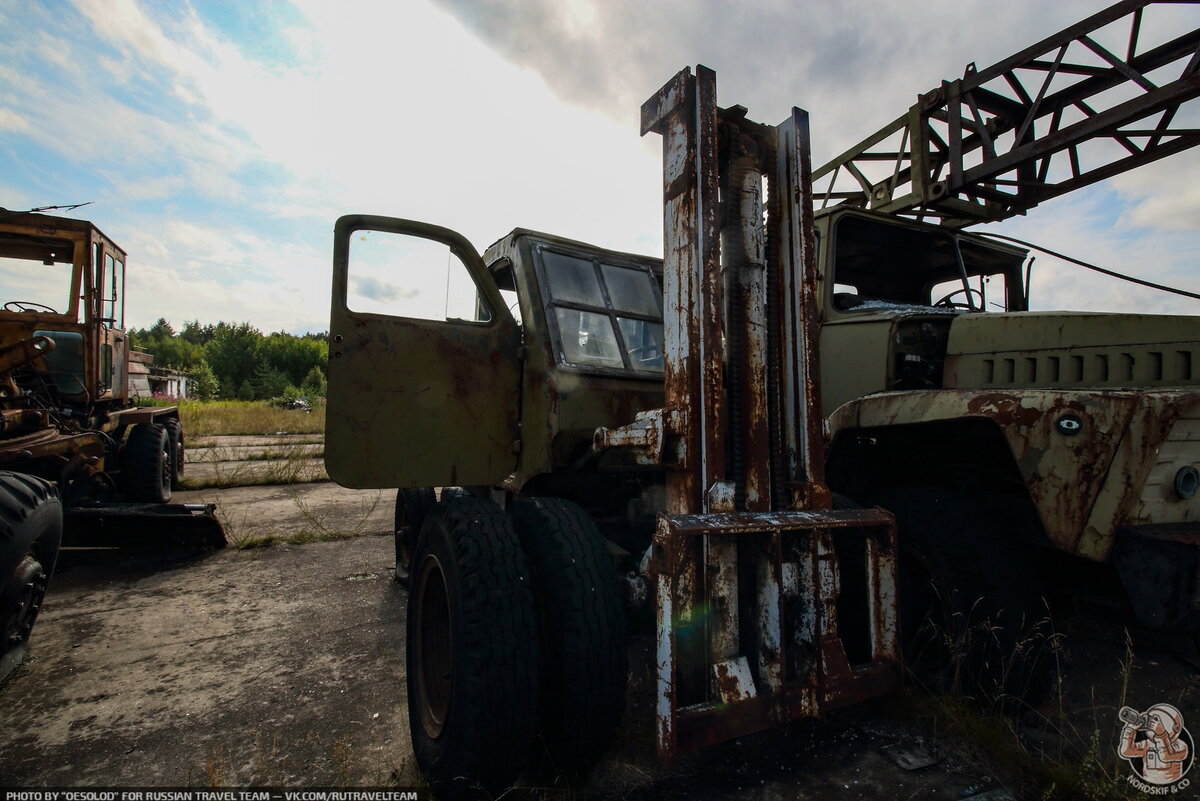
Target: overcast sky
point(219, 141)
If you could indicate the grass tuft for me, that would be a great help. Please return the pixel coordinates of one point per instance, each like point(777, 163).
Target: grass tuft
point(320, 527)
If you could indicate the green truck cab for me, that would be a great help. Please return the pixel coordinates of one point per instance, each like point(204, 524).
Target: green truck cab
point(935, 375)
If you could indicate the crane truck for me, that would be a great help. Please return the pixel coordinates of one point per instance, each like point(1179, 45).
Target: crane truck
point(823, 430)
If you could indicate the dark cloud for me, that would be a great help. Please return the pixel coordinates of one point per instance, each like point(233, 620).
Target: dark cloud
point(855, 64)
point(382, 291)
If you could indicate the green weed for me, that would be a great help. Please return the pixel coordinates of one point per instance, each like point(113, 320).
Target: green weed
point(208, 418)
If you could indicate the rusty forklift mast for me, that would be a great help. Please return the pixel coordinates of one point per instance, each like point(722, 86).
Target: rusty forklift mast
point(756, 624)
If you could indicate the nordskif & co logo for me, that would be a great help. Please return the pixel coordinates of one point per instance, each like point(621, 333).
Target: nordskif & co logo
point(1158, 748)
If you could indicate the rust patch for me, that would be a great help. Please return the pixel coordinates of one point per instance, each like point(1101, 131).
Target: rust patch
point(1007, 410)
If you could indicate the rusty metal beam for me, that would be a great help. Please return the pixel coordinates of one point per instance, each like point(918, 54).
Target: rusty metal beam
point(803, 423)
point(684, 112)
point(803, 666)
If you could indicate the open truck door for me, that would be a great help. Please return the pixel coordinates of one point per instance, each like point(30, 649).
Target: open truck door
point(424, 371)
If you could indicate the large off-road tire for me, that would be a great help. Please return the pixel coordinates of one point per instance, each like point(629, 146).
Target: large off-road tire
point(30, 534)
point(472, 650)
point(174, 429)
point(972, 616)
point(582, 623)
point(146, 466)
point(412, 507)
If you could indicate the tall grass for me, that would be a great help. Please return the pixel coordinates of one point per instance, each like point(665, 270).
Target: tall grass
point(294, 464)
point(209, 418)
point(1050, 753)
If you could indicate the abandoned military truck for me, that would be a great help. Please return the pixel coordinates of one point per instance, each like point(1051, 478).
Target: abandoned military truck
point(996, 435)
point(575, 430)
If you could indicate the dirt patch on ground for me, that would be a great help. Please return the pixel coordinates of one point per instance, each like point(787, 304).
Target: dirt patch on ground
point(262, 666)
point(281, 510)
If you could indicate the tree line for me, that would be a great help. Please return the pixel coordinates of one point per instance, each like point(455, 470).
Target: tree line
point(237, 361)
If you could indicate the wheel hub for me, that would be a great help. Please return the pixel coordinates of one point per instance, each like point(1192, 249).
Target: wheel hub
point(433, 646)
point(27, 592)
point(166, 468)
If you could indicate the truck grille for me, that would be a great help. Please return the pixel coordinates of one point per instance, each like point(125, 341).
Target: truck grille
point(1137, 367)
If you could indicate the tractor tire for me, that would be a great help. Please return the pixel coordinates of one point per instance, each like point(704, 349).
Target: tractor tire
point(972, 616)
point(146, 466)
point(175, 439)
point(472, 659)
point(31, 522)
point(582, 623)
point(412, 507)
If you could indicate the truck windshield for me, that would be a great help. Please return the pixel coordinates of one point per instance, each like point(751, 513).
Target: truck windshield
point(882, 265)
point(35, 274)
point(603, 312)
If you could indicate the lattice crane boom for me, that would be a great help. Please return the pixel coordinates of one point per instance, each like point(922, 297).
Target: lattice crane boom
point(1059, 115)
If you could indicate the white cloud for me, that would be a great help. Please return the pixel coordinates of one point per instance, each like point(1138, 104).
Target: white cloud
point(187, 271)
point(14, 197)
point(12, 121)
point(1081, 226)
point(1158, 196)
point(54, 49)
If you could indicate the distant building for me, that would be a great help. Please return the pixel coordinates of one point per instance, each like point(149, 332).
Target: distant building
point(146, 380)
point(139, 374)
point(172, 383)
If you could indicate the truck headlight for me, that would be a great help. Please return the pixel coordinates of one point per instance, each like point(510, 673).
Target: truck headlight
point(1187, 480)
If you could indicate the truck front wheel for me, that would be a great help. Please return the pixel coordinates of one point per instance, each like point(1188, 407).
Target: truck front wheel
point(30, 534)
point(582, 624)
point(972, 617)
point(147, 464)
point(472, 650)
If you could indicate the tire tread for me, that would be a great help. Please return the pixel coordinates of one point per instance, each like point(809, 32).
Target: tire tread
point(140, 463)
point(493, 709)
point(583, 623)
point(31, 521)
